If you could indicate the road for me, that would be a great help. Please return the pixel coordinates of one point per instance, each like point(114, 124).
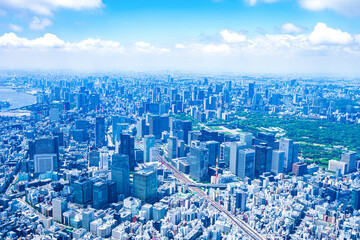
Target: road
point(241, 224)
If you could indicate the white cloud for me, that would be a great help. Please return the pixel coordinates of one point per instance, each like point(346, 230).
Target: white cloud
point(179, 46)
point(357, 38)
point(290, 28)
point(94, 44)
point(47, 7)
point(323, 50)
point(345, 7)
point(216, 48)
point(11, 40)
point(323, 34)
point(142, 44)
point(148, 48)
point(15, 28)
point(51, 41)
point(232, 37)
point(254, 2)
point(40, 24)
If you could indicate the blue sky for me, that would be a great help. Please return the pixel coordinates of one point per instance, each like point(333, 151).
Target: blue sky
point(261, 36)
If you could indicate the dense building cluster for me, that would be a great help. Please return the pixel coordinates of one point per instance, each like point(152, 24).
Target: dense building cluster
point(142, 156)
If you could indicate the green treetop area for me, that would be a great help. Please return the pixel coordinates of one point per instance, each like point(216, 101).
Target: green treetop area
point(318, 138)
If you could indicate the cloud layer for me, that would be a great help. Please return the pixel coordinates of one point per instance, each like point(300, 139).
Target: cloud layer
point(324, 49)
point(345, 7)
point(47, 7)
point(348, 8)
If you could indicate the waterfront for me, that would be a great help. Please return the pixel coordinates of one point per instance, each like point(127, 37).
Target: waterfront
point(15, 98)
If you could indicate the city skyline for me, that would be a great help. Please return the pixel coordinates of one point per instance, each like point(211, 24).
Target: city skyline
point(269, 36)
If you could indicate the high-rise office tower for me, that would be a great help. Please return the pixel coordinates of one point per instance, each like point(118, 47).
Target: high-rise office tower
point(141, 128)
point(278, 158)
point(87, 218)
point(263, 159)
point(100, 194)
point(145, 185)
point(349, 158)
point(127, 147)
point(112, 196)
point(355, 198)
point(59, 207)
point(266, 137)
point(94, 159)
point(240, 200)
point(181, 148)
point(251, 90)
point(149, 142)
point(291, 153)
point(186, 127)
point(81, 101)
point(119, 124)
point(199, 163)
point(83, 191)
point(246, 138)
point(94, 101)
point(81, 124)
point(100, 131)
point(225, 153)
point(214, 149)
point(45, 152)
point(120, 174)
point(60, 136)
point(80, 133)
point(172, 148)
point(234, 156)
point(246, 163)
point(158, 124)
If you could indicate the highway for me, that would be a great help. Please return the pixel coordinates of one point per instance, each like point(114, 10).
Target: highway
point(241, 224)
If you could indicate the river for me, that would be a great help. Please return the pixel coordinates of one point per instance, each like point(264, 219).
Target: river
point(16, 99)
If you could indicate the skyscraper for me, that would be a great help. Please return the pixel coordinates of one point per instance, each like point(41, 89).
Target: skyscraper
point(234, 156)
point(225, 153)
point(149, 142)
point(59, 207)
point(291, 153)
point(349, 158)
point(100, 131)
point(87, 218)
point(172, 148)
point(100, 194)
point(263, 159)
point(127, 147)
point(246, 163)
point(278, 157)
point(158, 124)
point(251, 90)
point(142, 128)
point(145, 185)
point(240, 200)
point(355, 198)
point(266, 137)
point(111, 186)
point(246, 138)
point(199, 163)
point(214, 150)
point(83, 191)
point(120, 174)
point(45, 152)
